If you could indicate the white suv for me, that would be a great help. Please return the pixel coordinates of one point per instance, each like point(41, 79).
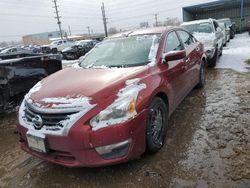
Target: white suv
point(57, 46)
point(210, 34)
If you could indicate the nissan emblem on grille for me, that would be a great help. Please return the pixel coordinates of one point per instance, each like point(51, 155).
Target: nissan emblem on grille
point(37, 122)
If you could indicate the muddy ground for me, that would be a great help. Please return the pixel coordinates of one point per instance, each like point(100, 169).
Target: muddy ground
point(207, 145)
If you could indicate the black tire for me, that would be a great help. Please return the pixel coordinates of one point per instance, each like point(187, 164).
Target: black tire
point(2, 103)
point(212, 62)
point(4, 99)
point(202, 76)
point(54, 51)
point(156, 125)
point(221, 51)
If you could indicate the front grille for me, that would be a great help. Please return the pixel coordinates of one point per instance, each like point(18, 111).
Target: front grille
point(51, 121)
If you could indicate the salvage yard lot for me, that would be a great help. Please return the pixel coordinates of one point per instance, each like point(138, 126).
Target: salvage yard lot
point(207, 145)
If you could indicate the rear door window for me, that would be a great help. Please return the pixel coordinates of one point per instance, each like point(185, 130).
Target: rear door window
point(172, 43)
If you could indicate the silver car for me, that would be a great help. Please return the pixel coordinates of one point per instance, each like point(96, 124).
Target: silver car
point(210, 34)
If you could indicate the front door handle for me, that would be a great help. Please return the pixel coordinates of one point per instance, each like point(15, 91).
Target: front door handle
point(187, 60)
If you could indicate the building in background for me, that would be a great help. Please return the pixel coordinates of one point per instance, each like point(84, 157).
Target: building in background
point(40, 38)
point(237, 10)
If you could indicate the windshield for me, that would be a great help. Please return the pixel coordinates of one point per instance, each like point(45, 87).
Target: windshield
point(123, 52)
point(205, 27)
point(82, 43)
point(227, 22)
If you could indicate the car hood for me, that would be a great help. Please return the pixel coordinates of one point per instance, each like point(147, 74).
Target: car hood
point(208, 39)
point(95, 84)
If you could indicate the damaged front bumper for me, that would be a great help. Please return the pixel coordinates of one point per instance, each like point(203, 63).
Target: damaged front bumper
point(88, 148)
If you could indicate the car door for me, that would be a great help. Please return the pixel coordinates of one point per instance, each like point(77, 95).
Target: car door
point(174, 69)
point(192, 61)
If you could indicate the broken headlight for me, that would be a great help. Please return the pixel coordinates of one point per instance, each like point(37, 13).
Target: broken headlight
point(122, 109)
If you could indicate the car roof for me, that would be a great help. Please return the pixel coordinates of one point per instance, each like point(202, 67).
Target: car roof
point(146, 31)
point(197, 21)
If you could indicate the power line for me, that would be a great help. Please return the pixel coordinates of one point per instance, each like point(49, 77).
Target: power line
point(137, 4)
point(142, 15)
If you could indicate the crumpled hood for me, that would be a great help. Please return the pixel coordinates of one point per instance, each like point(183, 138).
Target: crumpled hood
point(95, 84)
point(205, 38)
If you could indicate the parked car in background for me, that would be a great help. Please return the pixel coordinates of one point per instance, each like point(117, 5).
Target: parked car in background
point(225, 32)
point(57, 46)
point(14, 50)
point(116, 104)
point(210, 34)
point(79, 49)
point(33, 48)
point(230, 25)
point(2, 48)
point(18, 75)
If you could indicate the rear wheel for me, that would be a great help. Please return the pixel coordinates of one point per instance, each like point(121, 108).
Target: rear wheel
point(4, 99)
point(156, 125)
point(1, 101)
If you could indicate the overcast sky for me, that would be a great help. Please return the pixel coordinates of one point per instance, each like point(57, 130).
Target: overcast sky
point(22, 17)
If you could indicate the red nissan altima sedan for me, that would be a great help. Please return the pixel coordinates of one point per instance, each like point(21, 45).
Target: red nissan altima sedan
point(115, 104)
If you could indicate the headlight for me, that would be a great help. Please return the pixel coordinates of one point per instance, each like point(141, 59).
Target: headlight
point(122, 109)
point(210, 43)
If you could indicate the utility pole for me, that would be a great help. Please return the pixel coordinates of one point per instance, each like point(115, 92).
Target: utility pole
point(89, 31)
point(58, 17)
point(156, 20)
point(70, 31)
point(104, 20)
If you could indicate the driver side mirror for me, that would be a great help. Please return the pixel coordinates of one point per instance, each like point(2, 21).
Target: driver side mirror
point(218, 29)
point(174, 55)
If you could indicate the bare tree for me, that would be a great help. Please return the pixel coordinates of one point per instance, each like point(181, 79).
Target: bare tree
point(172, 22)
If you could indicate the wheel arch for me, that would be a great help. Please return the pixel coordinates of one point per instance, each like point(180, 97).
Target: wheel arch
point(164, 97)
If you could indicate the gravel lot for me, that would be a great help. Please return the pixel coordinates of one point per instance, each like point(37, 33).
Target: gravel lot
point(208, 141)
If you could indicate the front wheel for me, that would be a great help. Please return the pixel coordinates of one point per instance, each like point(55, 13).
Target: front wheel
point(212, 62)
point(156, 125)
point(54, 51)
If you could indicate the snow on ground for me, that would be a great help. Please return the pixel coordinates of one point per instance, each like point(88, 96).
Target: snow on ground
point(236, 53)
